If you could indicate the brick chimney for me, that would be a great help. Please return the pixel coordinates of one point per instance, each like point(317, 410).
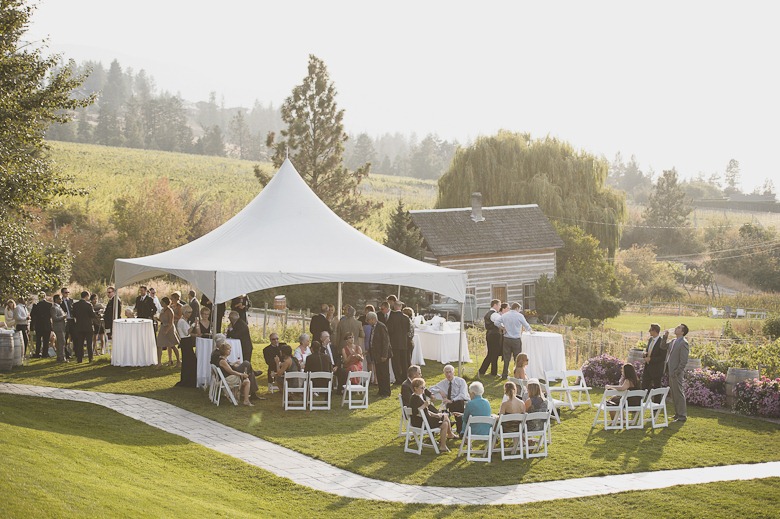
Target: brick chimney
point(476, 207)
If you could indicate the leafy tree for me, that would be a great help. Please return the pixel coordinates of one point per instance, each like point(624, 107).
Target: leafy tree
point(585, 284)
point(732, 176)
point(510, 168)
point(402, 235)
point(35, 92)
point(750, 255)
point(211, 142)
point(315, 140)
point(642, 278)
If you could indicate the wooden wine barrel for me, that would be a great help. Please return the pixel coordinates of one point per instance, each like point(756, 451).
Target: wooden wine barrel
point(636, 355)
point(18, 349)
point(693, 364)
point(734, 377)
point(6, 351)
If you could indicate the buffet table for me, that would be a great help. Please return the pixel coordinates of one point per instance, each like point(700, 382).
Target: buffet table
point(545, 352)
point(204, 348)
point(133, 343)
point(441, 346)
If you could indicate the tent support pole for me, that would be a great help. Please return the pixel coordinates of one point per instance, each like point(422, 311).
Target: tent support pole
point(338, 302)
point(214, 315)
point(116, 306)
point(460, 340)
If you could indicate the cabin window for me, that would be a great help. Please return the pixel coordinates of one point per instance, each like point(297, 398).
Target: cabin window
point(529, 296)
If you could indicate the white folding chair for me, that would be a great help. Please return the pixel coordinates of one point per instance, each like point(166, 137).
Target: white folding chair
point(218, 384)
point(578, 386)
point(606, 406)
point(469, 437)
point(419, 434)
point(540, 435)
point(501, 436)
point(555, 384)
point(638, 422)
point(299, 388)
point(314, 392)
point(522, 387)
point(656, 408)
point(404, 418)
point(356, 394)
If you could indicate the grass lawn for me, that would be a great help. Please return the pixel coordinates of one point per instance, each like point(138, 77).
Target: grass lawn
point(365, 441)
point(70, 459)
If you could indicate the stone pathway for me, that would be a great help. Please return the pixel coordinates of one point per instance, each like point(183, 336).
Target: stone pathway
point(319, 475)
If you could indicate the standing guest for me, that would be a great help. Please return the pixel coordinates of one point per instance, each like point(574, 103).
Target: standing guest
point(369, 361)
point(521, 362)
point(348, 324)
point(241, 304)
point(194, 305)
point(398, 327)
point(320, 323)
point(406, 387)
point(422, 409)
point(511, 405)
point(676, 359)
point(40, 318)
point(454, 395)
point(176, 306)
point(271, 354)
point(408, 311)
point(203, 323)
point(70, 323)
point(10, 306)
point(183, 324)
point(513, 322)
point(493, 340)
point(333, 318)
point(334, 353)
point(535, 403)
point(381, 352)
point(144, 305)
point(654, 358)
point(303, 350)
point(232, 377)
point(108, 315)
point(352, 356)
point(166, 336)
point(205, 301)
point(22, 322)
point(318, 362)
point(59, 322)
point(84, 314)
point(98, 330)
point(384, 312)
point(153, 295)
point(238, 329)
point(362, 318)
point(477, 406)
point(628, 381)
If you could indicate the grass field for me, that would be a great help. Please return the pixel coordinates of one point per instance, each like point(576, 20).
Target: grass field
point(68, 459)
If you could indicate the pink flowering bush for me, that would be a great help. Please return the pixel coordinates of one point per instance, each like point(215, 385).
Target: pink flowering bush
point(705, 388)
point(602, 370)
point(759, 397)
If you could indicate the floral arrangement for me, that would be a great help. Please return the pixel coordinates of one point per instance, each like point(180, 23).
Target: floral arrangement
point(705, 388)
point(602, 370)
point(758, 397)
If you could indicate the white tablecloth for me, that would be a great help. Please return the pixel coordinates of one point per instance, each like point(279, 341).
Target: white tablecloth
point(440, 346)
point(545, 352)
point(203, 350)
point(133, 343)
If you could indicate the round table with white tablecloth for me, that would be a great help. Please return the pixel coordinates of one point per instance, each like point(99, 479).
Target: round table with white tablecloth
point(441, 346)
point(133, 343)
point(203, 350)
point(545, 352)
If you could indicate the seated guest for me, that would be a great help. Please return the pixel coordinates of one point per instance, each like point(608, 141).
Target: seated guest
point(203, 325)
point(286, 363)
point(628, 381)
point(422, 408)
point(477, 406)
point(413, 372)
point(270, 354)
point(318, 362)
point(453, 393)
point(512, 405)
point(336, 358)
point(233, 377)
point(129, 313)
point(242, 367)
point(536, 403)
point(303, 351)
point(352, 355)
point(521, 362)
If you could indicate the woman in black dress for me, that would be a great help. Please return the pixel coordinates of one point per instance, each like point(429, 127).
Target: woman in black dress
point(421, 407)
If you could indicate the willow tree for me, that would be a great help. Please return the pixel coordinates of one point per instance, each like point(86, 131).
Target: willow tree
point(568, 185)
point(314, 139)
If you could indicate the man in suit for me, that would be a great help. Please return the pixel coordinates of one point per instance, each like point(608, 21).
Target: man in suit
point(238, 329)
point(318, 361)
point(319, 323)
point(655, 354)
point(454, 394)
point(381, 352)
point(108, 315)
point(241, 304)
point(270, 354)
point(70, 323)
point(40, 317)
point(398, 326)
point(195, 307)
point(676, 359)
point(84, 313)
point(413, 372)
point(336, 360)
point(493, 339)
point(144, 305)
point(384, 312)
point(59, 322)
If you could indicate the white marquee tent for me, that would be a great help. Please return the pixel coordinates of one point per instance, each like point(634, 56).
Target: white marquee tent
point(287, 236)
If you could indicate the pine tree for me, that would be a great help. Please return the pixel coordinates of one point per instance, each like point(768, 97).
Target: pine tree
point(402, 235)
point(315, 140)
point(238, 130)
point(666, 217)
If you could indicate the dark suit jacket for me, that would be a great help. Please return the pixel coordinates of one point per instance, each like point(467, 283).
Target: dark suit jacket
point(64, 305)
point(240, 331)
point(381, 317)
point(398, 328)
point(195, 310)
point(83, 313)
point(269, 352)
point(335, 352)
point(145, 309)
point(318, 362)
point(658, 355)
point(40, 315)
point(241, 305)
point(108, 315)
point(380, 343)
point(319, 323)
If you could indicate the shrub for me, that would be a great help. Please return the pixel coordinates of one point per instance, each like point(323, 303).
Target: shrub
point(772, 328)
point(705, 388)
point(765, 357)
point(760, 397)
point(602, 370)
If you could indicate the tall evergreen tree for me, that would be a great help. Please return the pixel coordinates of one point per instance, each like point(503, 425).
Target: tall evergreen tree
point(315, 139)
point(402, 235)
point(666, 217)
point(238, 130)
point(732, 176)
point(36, 92)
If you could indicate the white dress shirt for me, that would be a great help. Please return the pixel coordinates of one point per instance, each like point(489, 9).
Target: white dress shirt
point(460, 390)
point(514, 322)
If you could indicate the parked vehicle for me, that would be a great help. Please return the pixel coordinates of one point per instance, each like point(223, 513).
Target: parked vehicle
point(450, 310)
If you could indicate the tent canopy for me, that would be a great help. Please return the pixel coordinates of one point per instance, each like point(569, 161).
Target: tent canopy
point(287, 236)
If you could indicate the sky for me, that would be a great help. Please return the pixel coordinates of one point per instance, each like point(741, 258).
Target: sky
point(688, 85)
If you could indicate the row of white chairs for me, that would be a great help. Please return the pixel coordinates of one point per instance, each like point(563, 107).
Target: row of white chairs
point(355, 393)
point(623, 410)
